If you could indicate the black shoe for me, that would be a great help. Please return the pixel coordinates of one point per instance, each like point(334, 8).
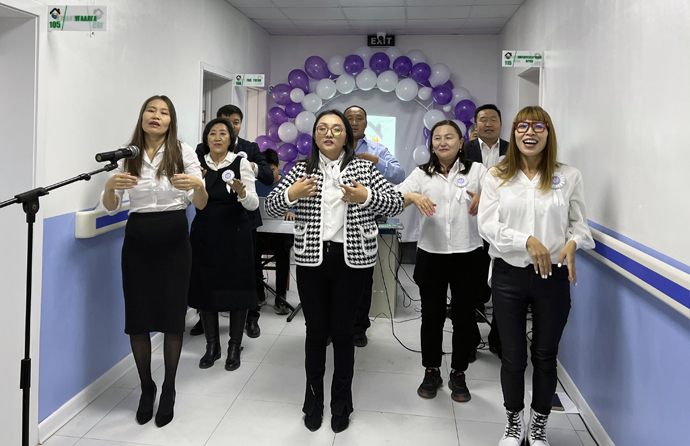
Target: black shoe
point(340, 422)
point(432, 381)
point(198, 329)
point(473, 355)
point(313, 421)
point(233, 361)
point(145, 409)
point(212, 355)
point(167, 405)
point(252, 327)
point(281, 309)
point(498, 351)
point(458, 388)
point(361, 340)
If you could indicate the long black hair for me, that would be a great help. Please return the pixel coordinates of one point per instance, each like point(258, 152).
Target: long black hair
point(207, 130)
point(434, 165)
point(349, 147)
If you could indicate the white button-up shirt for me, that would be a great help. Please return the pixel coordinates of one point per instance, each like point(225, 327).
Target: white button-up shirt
point(510, 214)
point(153, 194)
point(251, 200)
point(490, 155)
point(451, 229)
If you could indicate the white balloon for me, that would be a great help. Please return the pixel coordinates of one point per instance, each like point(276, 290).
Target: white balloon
point(406, 89)
point(345, 83)
point(421, 155)
point(311, 102)
point(459, 94)
point(387, 81)
point(336, 65)
point(447, 108)
point(287, 132)
point(432, 117)
point(439, 74)
point(325, 89)
point(416, 57)
point(365, 53)
point(312, 85)
point(296, 95)
point(366, 80)
point(304, 122)
point(463, 127)
point(424, 93)
point(393, 53)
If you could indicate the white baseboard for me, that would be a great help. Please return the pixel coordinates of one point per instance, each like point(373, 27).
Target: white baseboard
point(71, 408)
point(590, 419)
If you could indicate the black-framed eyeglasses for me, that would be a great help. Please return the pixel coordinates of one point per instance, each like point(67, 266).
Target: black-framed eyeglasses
point(537, 126)
point(336, 130)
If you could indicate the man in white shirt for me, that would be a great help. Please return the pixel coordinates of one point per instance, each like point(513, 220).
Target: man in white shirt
point(488, 149)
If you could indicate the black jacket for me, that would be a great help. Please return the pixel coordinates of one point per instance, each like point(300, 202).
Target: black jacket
point(255, 156)
point(474, 153)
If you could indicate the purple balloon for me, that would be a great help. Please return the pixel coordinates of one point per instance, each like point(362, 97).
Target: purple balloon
point(379, 62)
point(402, 66)
point(299, 79)
point(287, 152)
point(426, 83)
point(265, 142)
point(426, 132)
point(281, 94)
point(353, 65)
point(277, 115)
point(442, 95)
point(287, 167)
point(449, 84)
point(316, 68)
point(333, 76)
point(420, 72)
point(303, 143)
point(293, 109)
point(464, 110)
point(272, 132)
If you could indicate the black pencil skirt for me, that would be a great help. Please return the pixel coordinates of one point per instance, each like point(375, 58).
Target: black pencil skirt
point(156, 265)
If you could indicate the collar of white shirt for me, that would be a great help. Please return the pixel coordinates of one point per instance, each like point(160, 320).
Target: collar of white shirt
point(329, 163)
point(224, 162)
point(484, 145)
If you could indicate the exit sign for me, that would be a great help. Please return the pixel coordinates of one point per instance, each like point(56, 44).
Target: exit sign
point(380, 40)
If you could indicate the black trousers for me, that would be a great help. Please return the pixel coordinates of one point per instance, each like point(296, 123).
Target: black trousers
point(253, 313)
point(280, 245)
point(362, 322)
point(433, 274)
point(513, 289)
point(330, 295)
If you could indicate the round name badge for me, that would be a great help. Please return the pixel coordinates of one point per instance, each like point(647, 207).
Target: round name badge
point(228, 176)
point(461, 182)
point(242, 153)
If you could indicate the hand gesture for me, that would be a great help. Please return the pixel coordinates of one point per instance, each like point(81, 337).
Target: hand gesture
point(424, 204)
point(369, 157)
point(182, 181)
point(541, 257)
point(568, 254)
point(474, 205)
point(121, 181)
point(290, 216)
point(239, 187)
point(303, 188)
point(354, 194)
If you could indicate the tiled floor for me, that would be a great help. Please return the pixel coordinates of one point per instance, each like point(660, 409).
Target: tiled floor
point(260, 403)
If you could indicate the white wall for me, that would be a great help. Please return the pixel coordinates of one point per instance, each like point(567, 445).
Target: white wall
point(616, 88)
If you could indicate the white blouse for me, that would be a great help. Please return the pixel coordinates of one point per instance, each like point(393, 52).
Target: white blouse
point(153, 194)
point(251, 200)
point(510, 214)
point(451, 229)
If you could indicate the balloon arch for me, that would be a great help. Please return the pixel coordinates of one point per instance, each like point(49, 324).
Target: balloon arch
point(409, 75)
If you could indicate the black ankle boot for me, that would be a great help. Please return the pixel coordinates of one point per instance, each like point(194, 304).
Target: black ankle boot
point(210, 322)
point(233, 361)
point(145, 409)
point(212, 355)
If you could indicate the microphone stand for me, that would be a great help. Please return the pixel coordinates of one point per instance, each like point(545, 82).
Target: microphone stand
point(30, 203)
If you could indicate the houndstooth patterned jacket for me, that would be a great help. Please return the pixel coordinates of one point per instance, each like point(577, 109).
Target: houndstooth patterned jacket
point(361, 229)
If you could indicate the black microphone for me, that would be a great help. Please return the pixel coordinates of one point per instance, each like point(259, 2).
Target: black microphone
point(127, 152)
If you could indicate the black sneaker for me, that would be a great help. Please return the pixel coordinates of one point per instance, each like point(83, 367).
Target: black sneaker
point(458, 387)
point(361, 340)
point(432, 381)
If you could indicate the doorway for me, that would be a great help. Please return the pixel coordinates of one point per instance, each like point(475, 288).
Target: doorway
point(529, 87)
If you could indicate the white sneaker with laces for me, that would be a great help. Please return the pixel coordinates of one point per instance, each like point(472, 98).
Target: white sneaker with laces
point(515, 429)
point(536, 432)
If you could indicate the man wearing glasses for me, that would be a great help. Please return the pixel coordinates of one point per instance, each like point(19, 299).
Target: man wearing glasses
point(392, 171)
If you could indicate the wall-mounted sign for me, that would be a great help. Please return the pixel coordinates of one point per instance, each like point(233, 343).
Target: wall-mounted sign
point(513, 58)
point(77, 18)
point(380, 40)
point(250, 80)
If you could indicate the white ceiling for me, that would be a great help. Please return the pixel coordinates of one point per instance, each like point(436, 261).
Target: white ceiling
point(356, 17)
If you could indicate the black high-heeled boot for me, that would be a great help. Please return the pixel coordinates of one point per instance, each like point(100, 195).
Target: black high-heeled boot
point(210, 322)
point(233, 361)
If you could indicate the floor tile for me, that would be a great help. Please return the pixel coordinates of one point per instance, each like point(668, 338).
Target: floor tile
point(281, 383)
point(289, 350)
point(94, 442)
point(59, 440)
point(486, 404)
point(94, 412)
point(576, 421)
point(389, 358)
point(586, 438)
point(476, 433)
point(563, 437)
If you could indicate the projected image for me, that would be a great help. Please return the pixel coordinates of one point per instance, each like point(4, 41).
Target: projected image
point(381, 129)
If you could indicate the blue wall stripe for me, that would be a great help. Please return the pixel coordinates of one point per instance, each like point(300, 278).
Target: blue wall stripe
point(661, 283)
point(111, 219)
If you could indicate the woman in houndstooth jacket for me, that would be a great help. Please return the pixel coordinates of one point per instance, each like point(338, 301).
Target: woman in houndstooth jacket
point(336, 197)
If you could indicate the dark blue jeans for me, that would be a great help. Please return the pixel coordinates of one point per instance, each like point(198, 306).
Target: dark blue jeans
point(513, 289)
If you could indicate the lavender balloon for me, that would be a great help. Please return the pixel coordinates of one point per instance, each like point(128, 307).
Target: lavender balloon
point(464, 110)
point(272, 132)
point(449, 84)
point(303, 143)
point(293, 109)
point(442, 95)
point(426, 133)
point(288, 166)
point(264, 142)
point(379, 63)
point(287, 152)
point(402, 65)
point(353, 65)
point(277, 115)
point(316, 68)
point(426, 83)
point(299, 79)
point(281, 94)
point(420, 72)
